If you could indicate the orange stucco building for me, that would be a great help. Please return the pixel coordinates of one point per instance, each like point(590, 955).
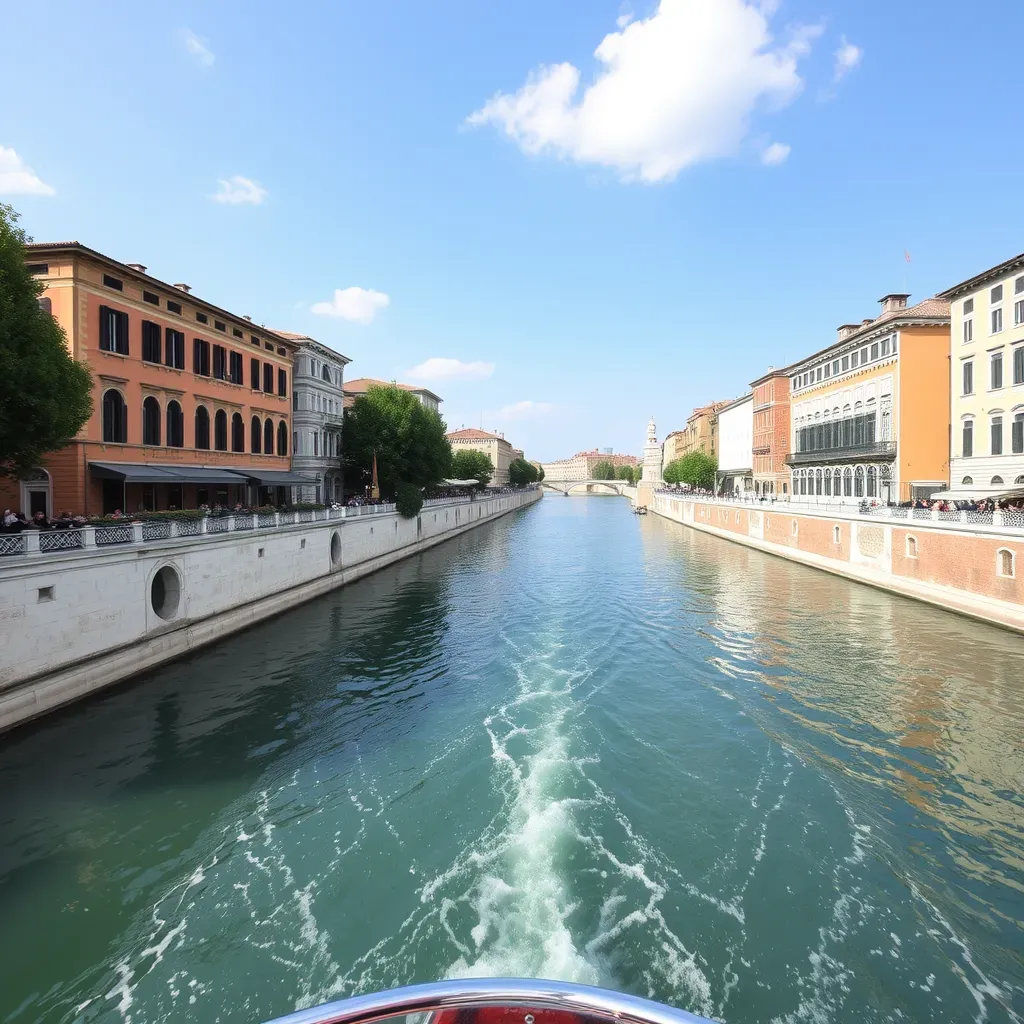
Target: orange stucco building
point(191, 404)
point(771, 433)
point(870, 413)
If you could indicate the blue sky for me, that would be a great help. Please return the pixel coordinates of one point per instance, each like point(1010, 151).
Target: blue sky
point(576, 214)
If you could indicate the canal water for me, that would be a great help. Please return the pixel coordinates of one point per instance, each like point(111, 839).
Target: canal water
point(572, 744)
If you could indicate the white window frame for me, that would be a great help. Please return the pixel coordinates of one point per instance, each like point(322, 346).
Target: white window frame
point(997, 314)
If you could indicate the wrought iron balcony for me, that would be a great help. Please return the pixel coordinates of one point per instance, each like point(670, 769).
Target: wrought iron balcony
point(845, 453)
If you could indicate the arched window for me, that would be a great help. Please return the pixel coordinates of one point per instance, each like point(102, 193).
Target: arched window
point(970, 480)
point(256, 438)
point(858, 482)
point(847, 482)
point(837, 487)
point(996, 481)
point(202, 427)
point(817, 481)
point(911, 547)
point(828, 483)
point(872, 482)
point(1004, 562)
point(1019, 480)
point(282, 438)
point(237, 433)
point(268, 437)
point(151, 421)
point(115, 418)
point(175, 426)
point(220, 431)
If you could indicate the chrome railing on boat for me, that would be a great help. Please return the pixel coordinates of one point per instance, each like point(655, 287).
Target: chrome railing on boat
point(486, 993)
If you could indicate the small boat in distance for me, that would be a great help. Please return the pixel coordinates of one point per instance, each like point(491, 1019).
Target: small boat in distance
point(496, 1001)
point(639, 510)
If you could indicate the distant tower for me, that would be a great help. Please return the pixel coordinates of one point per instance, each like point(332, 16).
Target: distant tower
point(651, 476)
point(652, 456)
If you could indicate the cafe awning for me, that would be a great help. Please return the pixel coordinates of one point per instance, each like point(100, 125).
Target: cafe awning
point(155, 473)
point(278, 478)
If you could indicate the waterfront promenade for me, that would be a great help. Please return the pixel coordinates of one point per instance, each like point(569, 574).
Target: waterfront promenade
point(963, 561)
point(83, 609)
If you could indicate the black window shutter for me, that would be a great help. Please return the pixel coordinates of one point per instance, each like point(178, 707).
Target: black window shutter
point(105, 328)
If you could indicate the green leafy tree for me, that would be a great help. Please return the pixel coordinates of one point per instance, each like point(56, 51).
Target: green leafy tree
point(408, 500)
point(472, 465)
point(625, 473)
point(540, 472)
point(408, 439)
point(604, 470)
point(695, 468)
point(522, 473)
point(45, 396)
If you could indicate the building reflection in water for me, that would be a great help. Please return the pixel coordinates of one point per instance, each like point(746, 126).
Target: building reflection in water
point(916, 713)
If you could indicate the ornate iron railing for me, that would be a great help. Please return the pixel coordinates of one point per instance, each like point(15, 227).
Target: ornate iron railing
point(60, 540)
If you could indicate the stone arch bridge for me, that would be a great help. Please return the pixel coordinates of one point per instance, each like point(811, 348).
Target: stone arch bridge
point(568, 487)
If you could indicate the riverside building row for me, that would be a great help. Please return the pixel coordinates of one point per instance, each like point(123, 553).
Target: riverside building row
point(192, 404)
point(921, 400)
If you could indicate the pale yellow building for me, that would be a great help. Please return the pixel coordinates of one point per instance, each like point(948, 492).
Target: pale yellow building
point(987, 380)
point(494, 446)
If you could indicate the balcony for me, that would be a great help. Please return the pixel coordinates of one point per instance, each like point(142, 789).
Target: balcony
point(847, 453)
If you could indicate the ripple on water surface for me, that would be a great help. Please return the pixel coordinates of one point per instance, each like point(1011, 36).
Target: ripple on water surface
point(572, 744)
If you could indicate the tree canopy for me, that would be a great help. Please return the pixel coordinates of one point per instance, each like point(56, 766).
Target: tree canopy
point(604, 470)
point(409, 441)
point(695, 468)
point(522, 473)
point(468, 464)
point(45, 396)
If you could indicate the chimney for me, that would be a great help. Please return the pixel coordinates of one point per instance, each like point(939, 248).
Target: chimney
point(136, 266)
point(183, 287)
point(894, 302)
point(249, 318)
point(846, 330)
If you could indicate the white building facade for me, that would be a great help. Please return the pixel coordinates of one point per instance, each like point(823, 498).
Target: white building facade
point(736, 446)
point(317, 411)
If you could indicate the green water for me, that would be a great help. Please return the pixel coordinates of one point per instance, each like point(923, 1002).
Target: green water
point(575, 744)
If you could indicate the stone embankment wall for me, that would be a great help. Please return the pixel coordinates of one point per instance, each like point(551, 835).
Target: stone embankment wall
point(971, 569)
point(73, 622)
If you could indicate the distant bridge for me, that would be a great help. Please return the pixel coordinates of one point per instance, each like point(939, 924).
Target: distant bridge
point(568, 487)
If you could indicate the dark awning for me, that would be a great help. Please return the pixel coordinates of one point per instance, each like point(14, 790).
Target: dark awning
point(132, 474)
point(278, 478)
point(153, 473)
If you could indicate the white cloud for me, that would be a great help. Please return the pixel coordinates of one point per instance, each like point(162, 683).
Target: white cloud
point(237, 189)
point(439, 368)
point(775, 154)
point(673, 89)
point(623, 20)
point(848, 57)
point(197, 48)
point(523, 410)
point(358, 305)
point(18, 179)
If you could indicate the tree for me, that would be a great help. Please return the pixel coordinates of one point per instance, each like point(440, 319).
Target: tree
point(408, 500)
point(604, 470)
point(522, 473)
point(45, 396)
point(468, 464)
point(540, 472)
point(625, 473)
point(408, 439)
point(695, 468)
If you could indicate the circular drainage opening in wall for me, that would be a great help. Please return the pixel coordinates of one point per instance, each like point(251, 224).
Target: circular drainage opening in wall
point(165, 592)
point(335, 548)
